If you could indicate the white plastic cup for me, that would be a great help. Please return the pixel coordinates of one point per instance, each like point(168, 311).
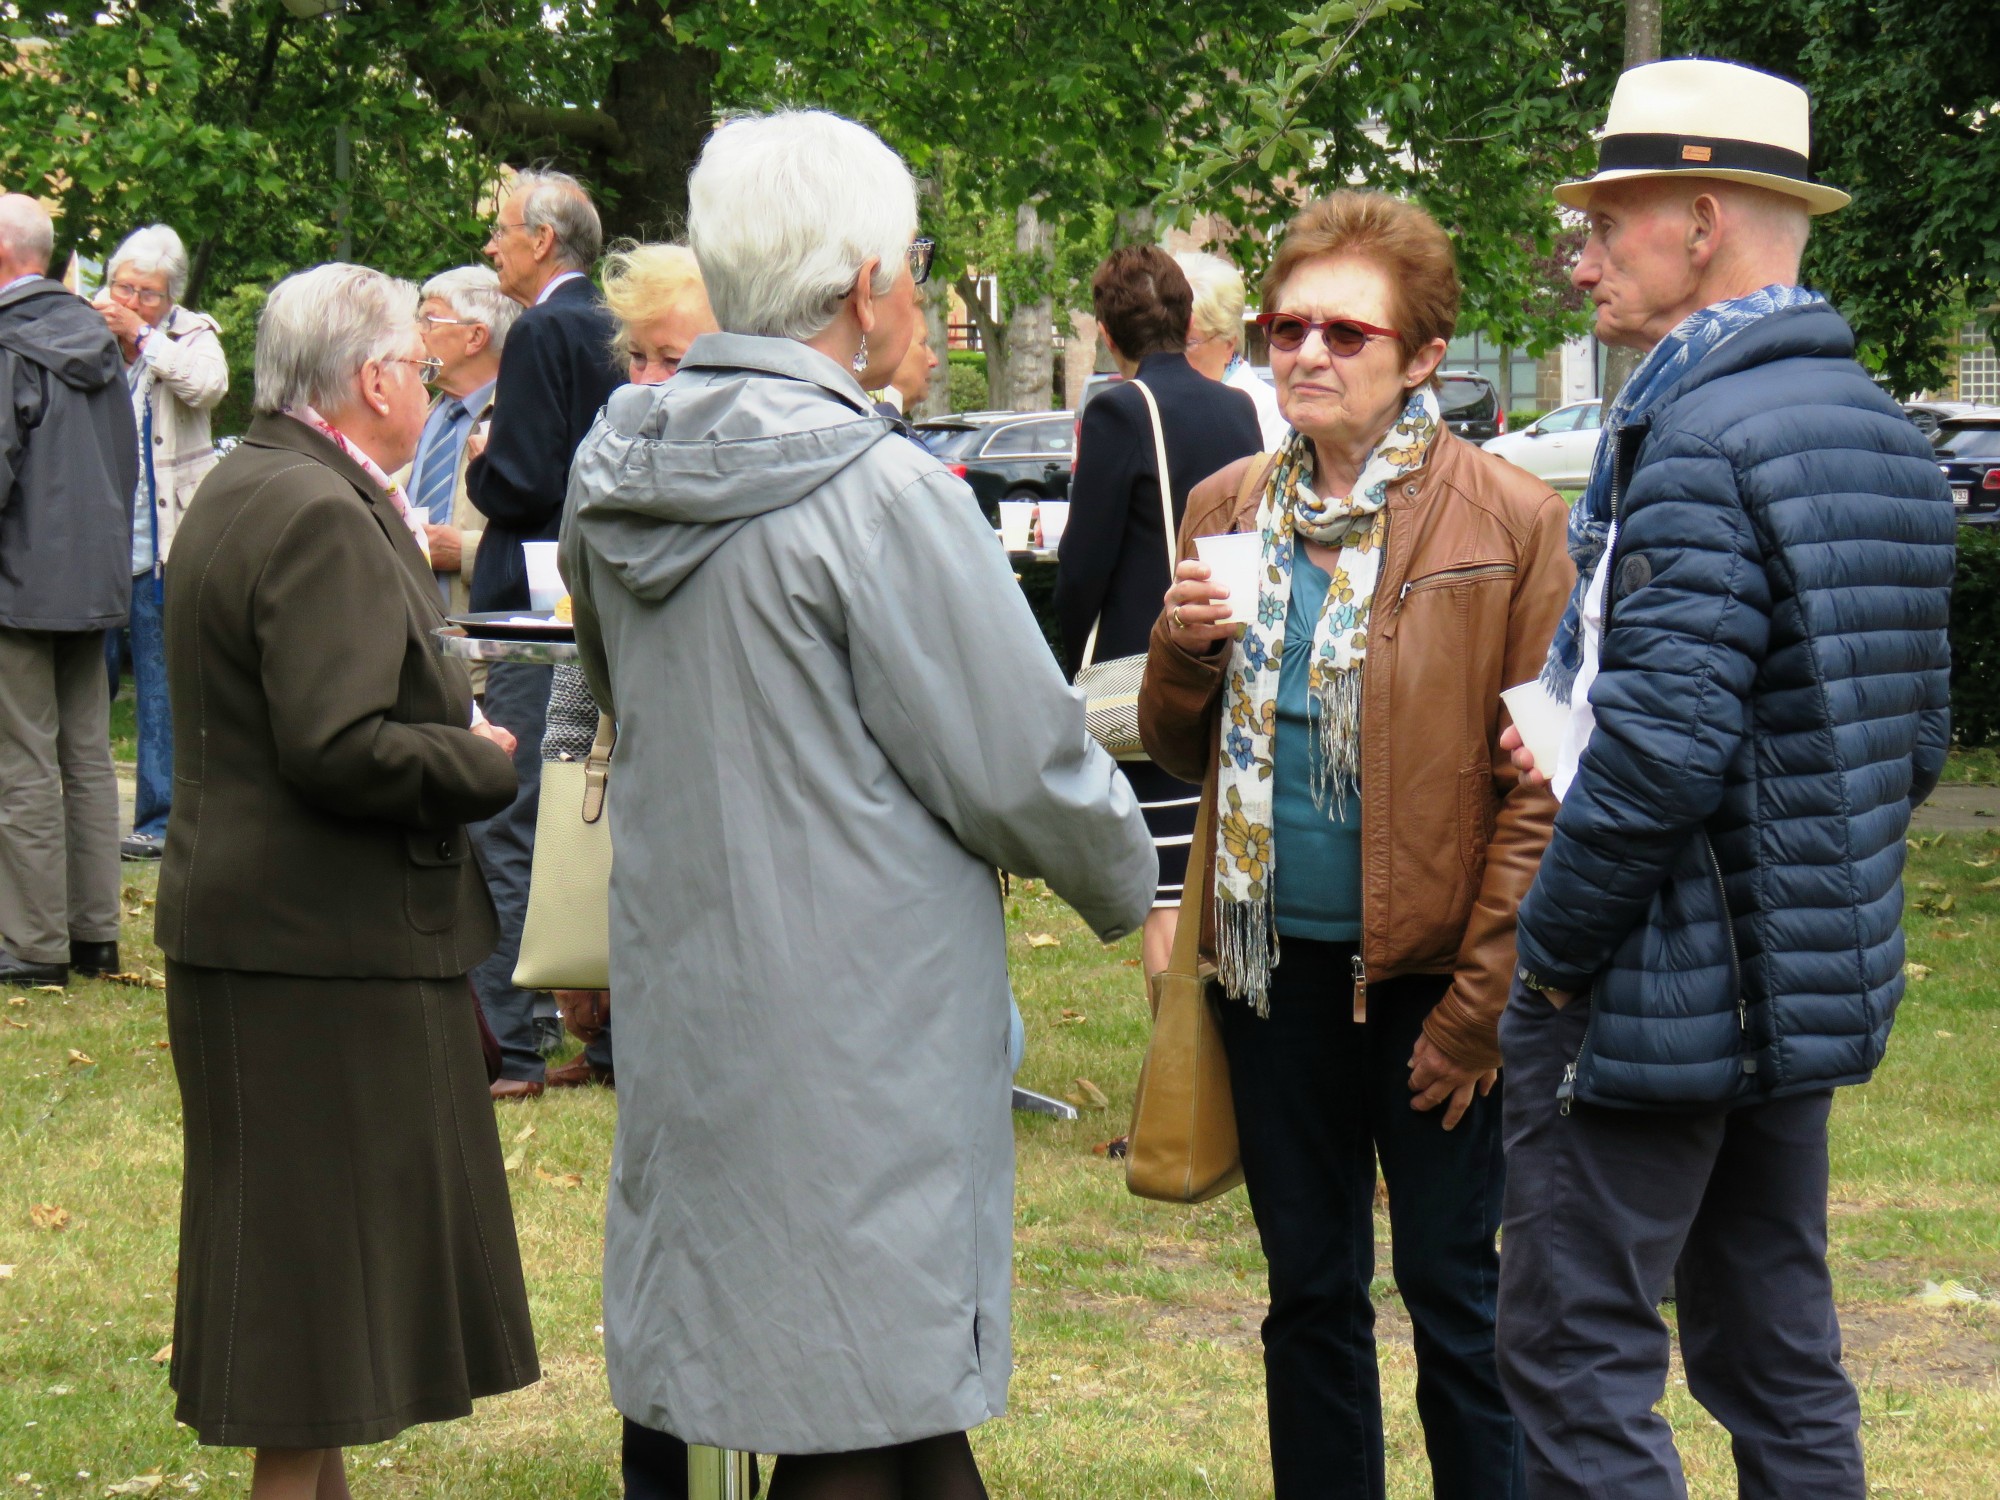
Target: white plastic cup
point(1017, 522)
point(545, 584)
point(1543, 722)
point(1234, 563)
point(1055, 520)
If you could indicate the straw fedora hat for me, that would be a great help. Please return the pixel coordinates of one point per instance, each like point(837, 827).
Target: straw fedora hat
point(1691, 116)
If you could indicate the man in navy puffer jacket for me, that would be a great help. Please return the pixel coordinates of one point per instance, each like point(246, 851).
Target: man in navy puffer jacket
point(1755, 675)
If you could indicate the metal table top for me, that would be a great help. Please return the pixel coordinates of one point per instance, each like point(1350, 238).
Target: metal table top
point(455, 642)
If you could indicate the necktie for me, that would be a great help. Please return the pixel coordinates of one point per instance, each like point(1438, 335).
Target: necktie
point(437, 465)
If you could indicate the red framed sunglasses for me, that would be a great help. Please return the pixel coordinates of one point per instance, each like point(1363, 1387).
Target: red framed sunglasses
point(1345, 337)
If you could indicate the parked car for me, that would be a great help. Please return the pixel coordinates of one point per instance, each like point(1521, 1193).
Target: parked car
point(1005, 455)
point(1928, 415)
point(1559, 448)
point(1470, 406)
point(1968, 450)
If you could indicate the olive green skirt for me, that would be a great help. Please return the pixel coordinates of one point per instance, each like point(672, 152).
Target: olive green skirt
point(348, 1265)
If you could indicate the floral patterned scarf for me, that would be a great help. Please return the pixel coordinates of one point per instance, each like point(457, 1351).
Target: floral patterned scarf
point(388, 486)
point(1247, 938)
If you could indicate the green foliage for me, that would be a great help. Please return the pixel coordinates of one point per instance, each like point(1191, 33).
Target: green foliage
point(1906, 117)
point(237, 311)
point(1975, 638)
point(967, 371)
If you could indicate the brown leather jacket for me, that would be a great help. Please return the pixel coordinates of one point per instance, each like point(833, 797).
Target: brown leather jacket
point(1475, 577)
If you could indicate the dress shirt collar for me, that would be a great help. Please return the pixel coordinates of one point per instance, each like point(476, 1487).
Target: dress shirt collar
point(549, 290)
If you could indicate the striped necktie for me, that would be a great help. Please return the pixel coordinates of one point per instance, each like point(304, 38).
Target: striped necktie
point(437, 466)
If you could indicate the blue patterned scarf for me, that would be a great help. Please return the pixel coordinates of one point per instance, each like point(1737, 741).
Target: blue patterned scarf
point(1697, 336)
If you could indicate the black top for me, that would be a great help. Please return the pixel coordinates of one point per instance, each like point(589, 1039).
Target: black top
point(555, 374)
point(1114, 558)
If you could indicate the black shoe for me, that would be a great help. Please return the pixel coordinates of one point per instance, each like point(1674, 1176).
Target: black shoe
point(93, 959)
point(16, 970)
point(141, 846)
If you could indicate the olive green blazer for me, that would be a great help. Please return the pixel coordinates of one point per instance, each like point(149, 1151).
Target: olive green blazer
point(323, 770)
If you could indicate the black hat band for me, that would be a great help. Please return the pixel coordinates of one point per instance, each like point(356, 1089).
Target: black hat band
point(1698, 153)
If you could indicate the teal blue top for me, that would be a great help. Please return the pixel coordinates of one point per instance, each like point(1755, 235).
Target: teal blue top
point(1316, 887)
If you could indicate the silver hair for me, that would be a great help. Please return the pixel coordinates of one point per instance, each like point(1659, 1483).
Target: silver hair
point(473, 293)
point(785, 209)
point(154, 248)
point(319, 328)
point(560, 202)
point(1218, 294)
point(26, 231)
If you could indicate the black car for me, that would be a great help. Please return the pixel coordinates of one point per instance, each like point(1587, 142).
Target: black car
point(1968, 450)
point(1470, 406)
point(1005, 455)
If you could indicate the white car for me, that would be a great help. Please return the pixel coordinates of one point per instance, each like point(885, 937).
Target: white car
point(1558, 449)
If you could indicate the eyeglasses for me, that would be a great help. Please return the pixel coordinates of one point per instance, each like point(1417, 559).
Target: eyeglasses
point(1345, 337)
point(922, 251)
point(432, 320)
point(428, 368)
point(500, 226)
point(124, 291)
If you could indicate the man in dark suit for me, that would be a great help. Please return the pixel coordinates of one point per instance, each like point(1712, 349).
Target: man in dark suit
point(554, 377)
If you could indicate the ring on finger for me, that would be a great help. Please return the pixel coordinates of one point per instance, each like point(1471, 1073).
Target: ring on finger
point(1179, 623)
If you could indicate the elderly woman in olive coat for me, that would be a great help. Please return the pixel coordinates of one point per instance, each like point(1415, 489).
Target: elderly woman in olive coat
point(836, 718)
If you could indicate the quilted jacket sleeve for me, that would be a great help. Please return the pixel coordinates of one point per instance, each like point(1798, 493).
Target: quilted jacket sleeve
point(1690, 609)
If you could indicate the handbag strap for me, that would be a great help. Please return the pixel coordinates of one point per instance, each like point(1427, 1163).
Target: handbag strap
point(597, 769)
point(1167, 527)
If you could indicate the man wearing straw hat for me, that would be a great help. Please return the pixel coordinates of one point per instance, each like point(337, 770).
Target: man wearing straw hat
point(1752, 683)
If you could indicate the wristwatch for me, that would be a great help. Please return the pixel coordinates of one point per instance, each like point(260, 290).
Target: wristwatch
point(1530, 980)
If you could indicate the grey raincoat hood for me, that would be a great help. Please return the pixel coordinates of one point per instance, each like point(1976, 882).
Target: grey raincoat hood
point(836, 720)
point(69, 464)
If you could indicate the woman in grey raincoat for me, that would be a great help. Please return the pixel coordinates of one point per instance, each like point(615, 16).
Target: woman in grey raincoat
point(836, 719)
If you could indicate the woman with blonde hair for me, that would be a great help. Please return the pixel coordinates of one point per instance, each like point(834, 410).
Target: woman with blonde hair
point(1373, 839)
point(656, 294)
point(1215, 338)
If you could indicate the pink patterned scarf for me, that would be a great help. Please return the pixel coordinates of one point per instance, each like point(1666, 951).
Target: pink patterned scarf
point(369, 467)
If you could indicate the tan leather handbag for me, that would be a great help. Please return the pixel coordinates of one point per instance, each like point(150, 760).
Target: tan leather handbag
point(1183, 1138)
point(566, 939)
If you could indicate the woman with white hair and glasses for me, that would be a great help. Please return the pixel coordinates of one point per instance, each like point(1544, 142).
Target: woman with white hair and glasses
point(175, 368)
point(1215, 339)
point(836, 719)
point(347, 1261)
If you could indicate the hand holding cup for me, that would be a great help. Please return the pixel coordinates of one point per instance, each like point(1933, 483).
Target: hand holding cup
point(1198, 613)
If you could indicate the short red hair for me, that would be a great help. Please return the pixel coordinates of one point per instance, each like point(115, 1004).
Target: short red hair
point(1407, 244)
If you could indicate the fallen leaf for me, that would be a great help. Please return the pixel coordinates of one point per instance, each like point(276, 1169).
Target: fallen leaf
point(1916, 972)
point(149, 980)
point(1930, 885)
point(1978, 864)
point(1945, 1036)
point(1043, 940)
point(49, 989)
point(1946, 1295)
point(1132, 963)
point(163, 1354)
point(81, 1059)
point(17, 1025)
point(559, 1179)
point(138, 1484)
point(17, 999)
point(48, 1216)
point(1072, 1018)
point(513, 1162)
point(1093, 1096)
point(524, 1132)
point(163, 1045)
point(5, 1272)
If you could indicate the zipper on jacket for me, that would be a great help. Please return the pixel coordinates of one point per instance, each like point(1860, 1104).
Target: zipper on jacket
point(1621, 470)
point(1566, 1090)
point(1729, 932)
point(1445, 578)
point(1360, 988)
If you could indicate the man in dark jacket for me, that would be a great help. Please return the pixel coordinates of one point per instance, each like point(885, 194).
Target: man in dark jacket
point(1754, 669)
point(554, 377)
point(69, 459)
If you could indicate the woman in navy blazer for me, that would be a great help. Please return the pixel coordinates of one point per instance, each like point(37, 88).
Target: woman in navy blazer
point(1114, 568)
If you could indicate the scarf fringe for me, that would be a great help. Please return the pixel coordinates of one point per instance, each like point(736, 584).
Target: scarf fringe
point(1246, 949)
point(1336, 768)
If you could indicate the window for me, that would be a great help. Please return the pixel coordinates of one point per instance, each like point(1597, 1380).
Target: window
point(1968, 442)
point(1560, 421)
point(946, 442)
point(1593, 416)
point(1028, 439)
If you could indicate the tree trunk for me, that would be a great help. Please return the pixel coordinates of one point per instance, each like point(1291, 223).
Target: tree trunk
point(1505, 384)
point(1031, 326)
point(937, 400)
point(992, 338)
point(1642, 45)
point(659, 94)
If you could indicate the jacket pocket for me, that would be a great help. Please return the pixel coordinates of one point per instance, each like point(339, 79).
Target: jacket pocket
point(431, 883)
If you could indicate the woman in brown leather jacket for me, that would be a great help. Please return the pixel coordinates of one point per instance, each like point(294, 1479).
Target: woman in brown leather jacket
point(1375, 839)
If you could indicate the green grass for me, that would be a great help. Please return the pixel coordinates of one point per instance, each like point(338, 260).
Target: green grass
point(1138, 1372)
point(1976, 767)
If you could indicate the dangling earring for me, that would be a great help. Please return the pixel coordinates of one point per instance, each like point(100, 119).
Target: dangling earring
point(861, 355)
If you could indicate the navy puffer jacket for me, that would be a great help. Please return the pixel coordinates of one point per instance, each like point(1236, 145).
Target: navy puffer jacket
point(1726, 873)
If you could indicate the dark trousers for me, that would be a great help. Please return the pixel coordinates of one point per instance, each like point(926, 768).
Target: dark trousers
point(1605, 1207)
point(517, 699)
point(655, 1465)
point(146, 632)
point(1318, 1099)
